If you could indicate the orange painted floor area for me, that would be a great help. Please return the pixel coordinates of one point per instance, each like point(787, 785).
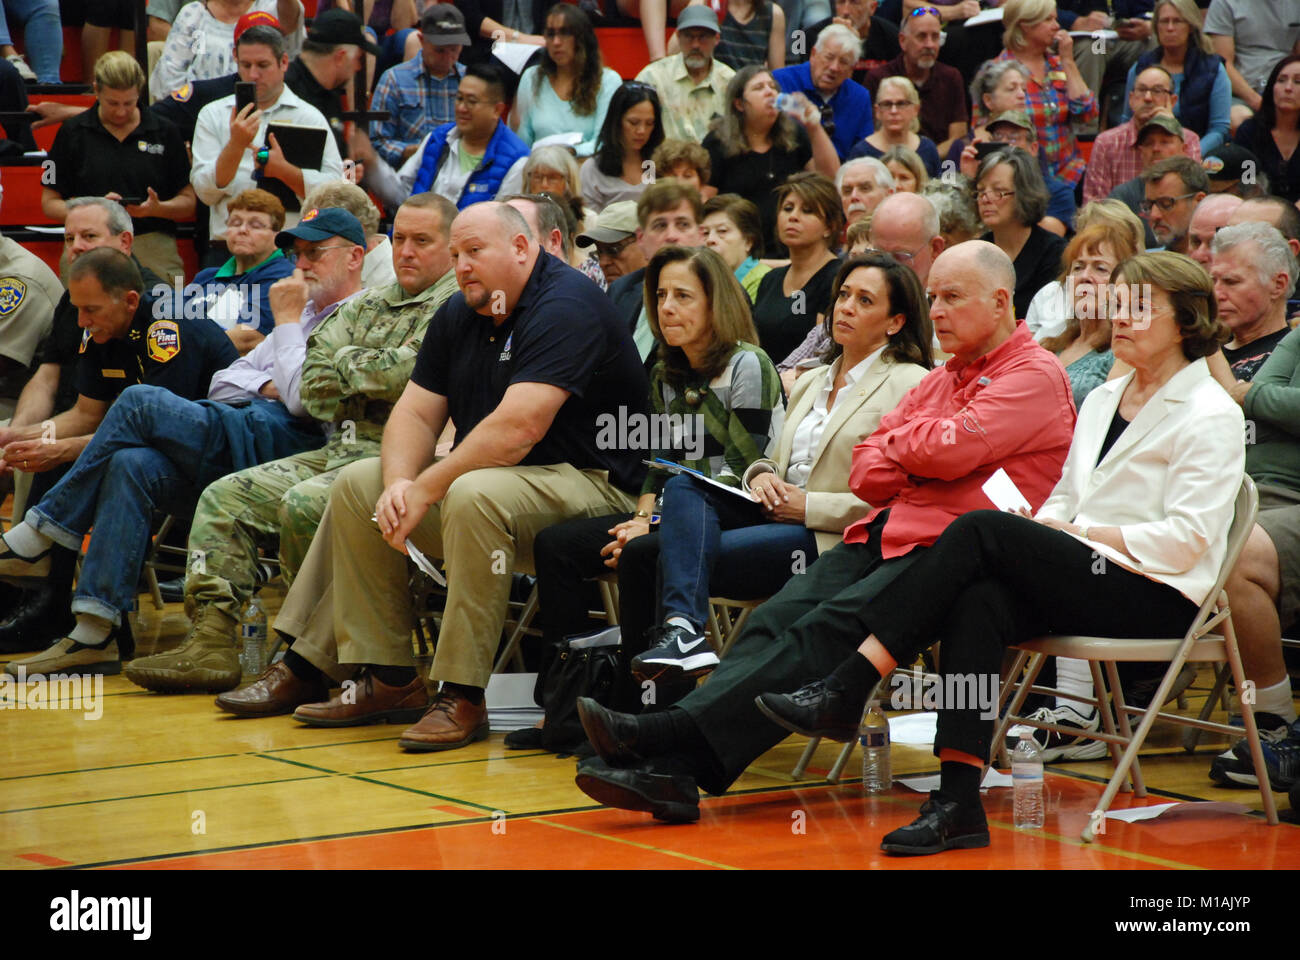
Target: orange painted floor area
point(818, 826)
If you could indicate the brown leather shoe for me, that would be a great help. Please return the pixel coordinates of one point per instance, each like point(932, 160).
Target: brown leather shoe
point(276, 691)
point(370, 700)
point(450, 722)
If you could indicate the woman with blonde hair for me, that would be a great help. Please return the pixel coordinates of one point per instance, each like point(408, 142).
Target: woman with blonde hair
point(907, 168)
point(1047, 312)
point(101, 152)
point(1201, 84)
point(898, 123)
point(1056, 97)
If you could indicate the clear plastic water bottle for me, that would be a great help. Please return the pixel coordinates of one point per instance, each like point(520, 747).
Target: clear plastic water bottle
point(786, 103)
point(873, 736)
point(252, 631)
point(1027, 778)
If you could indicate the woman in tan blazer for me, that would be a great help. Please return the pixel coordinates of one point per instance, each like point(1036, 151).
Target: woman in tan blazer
point(715, 543)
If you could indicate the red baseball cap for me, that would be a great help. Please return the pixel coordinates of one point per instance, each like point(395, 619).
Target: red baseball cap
point(257, 18)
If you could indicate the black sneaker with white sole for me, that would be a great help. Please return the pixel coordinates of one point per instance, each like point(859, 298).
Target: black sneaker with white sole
point(675, 652)
point(1227, 771)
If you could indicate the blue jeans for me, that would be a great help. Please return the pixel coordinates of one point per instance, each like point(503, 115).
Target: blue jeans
point(145, 456)
point(42, 34)
point(712, 543)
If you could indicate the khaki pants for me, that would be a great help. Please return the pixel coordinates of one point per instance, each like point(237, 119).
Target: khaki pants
point(350, 603)
point(158, 252)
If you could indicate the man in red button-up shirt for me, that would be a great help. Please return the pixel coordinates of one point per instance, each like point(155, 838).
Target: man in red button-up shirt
point(1001, 402)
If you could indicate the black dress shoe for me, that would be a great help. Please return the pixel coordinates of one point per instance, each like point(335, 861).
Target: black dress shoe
point(172, 591)
point(672, 799)
point(815, 710)
point(42, 617)
point(612, 734)
point(944, 824)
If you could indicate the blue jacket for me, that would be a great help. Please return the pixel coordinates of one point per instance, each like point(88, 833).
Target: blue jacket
point(850, 107)
point(255, 286)
point(502, 151)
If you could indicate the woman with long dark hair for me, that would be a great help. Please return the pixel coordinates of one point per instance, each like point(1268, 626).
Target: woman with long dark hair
point(1273, 134)
point(633, 128)
point(569, 90)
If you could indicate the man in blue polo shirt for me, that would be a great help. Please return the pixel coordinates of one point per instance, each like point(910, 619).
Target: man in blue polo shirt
point(525, 360)
point(826, 80)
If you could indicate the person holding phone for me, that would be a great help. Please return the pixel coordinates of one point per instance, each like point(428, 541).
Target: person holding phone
point(227, 140)
point(118, 151)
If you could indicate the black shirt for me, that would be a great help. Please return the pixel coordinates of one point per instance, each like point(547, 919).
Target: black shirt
point(181, 355)
point(1246, 361)
point(1117, 425)
point(563, 331)
point(783, 322)
point(754, 175)
point(88, 161)
point(329, 102)
point(1037, 264)
point(182, 106)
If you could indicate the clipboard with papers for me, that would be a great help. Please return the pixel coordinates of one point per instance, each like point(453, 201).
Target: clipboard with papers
point(658, 463)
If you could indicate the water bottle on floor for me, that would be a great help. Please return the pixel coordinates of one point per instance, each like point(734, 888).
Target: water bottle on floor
point(1027, 777)
point(252, 631)
point(873, 736)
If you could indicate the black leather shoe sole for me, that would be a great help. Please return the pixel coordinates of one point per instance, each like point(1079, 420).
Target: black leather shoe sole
point(529, 738)
point(654, 794)
point(598, 725)
point(770, 703)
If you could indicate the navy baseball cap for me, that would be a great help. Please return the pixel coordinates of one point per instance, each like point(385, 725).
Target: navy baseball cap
point(317, 225)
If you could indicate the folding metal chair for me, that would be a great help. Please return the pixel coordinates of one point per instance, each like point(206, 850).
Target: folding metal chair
point(1198, 645)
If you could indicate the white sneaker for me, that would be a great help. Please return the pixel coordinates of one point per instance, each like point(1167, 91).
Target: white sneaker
point(1059, 746)
point(24, 71)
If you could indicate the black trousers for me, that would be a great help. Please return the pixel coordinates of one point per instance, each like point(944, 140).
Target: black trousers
point(800, 634)
point(994, 579)
point(567, 554)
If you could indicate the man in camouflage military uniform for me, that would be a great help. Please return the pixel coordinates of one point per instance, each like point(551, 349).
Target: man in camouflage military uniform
point(358, 363)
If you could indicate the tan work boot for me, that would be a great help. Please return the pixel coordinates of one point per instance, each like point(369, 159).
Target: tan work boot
point(207, 660)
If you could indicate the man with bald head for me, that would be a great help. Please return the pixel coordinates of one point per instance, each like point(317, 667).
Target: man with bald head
point(1212, 214)
point(1002, 401)
point(526, 359)
point(1274, 211)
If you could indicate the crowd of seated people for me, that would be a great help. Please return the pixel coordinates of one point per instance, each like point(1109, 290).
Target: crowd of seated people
point(804, 261)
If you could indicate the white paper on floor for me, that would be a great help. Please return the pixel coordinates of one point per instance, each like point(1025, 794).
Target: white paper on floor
point(1173, 811)
point(510, 701)
point(992, 778)
point(913, 728)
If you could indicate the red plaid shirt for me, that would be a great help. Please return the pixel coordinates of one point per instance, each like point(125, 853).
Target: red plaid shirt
point(1054, 113)
point(1115, 159)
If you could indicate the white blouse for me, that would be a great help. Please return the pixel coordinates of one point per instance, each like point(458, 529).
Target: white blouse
point(808, 435)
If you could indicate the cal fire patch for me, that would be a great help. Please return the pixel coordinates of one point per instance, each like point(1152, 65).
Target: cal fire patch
point(163, 340)
point(12, 291)
point(311, 214)
point(183, 94)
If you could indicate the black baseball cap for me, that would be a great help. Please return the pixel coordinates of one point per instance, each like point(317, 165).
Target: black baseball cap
point(1228, 162)
point(336, 26)
point(443, 26)
point(321, 224)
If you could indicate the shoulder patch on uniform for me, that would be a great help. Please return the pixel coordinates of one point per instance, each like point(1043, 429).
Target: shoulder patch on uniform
point(12, 292)
point(163, 340)
point(183, 94)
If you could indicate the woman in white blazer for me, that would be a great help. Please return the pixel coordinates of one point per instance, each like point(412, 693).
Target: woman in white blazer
point(713, 543)
point(1128, 544)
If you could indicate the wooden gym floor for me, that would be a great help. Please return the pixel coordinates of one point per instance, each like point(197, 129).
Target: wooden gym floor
point(171, 782)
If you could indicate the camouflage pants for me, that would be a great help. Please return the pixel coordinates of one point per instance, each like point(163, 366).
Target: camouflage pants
point(282, 500)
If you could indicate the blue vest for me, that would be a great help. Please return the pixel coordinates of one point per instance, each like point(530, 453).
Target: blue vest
point(502, 151)
point(1199, 71)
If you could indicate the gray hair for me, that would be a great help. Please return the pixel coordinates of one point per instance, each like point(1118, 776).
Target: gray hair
point(879, 172)
point(1274, 254)
point(119, 221)
point(837, 35)
point(348, 196)
point(988, 77)
point(1031, 192)
point(953, 205)
point(552, 156)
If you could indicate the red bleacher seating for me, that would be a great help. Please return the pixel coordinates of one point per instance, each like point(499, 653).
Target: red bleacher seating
point(623, 49)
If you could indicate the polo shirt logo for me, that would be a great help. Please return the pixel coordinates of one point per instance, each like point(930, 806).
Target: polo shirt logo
point(146, 147)
point(505, 351)
point(164, 340)
point(12, 292)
